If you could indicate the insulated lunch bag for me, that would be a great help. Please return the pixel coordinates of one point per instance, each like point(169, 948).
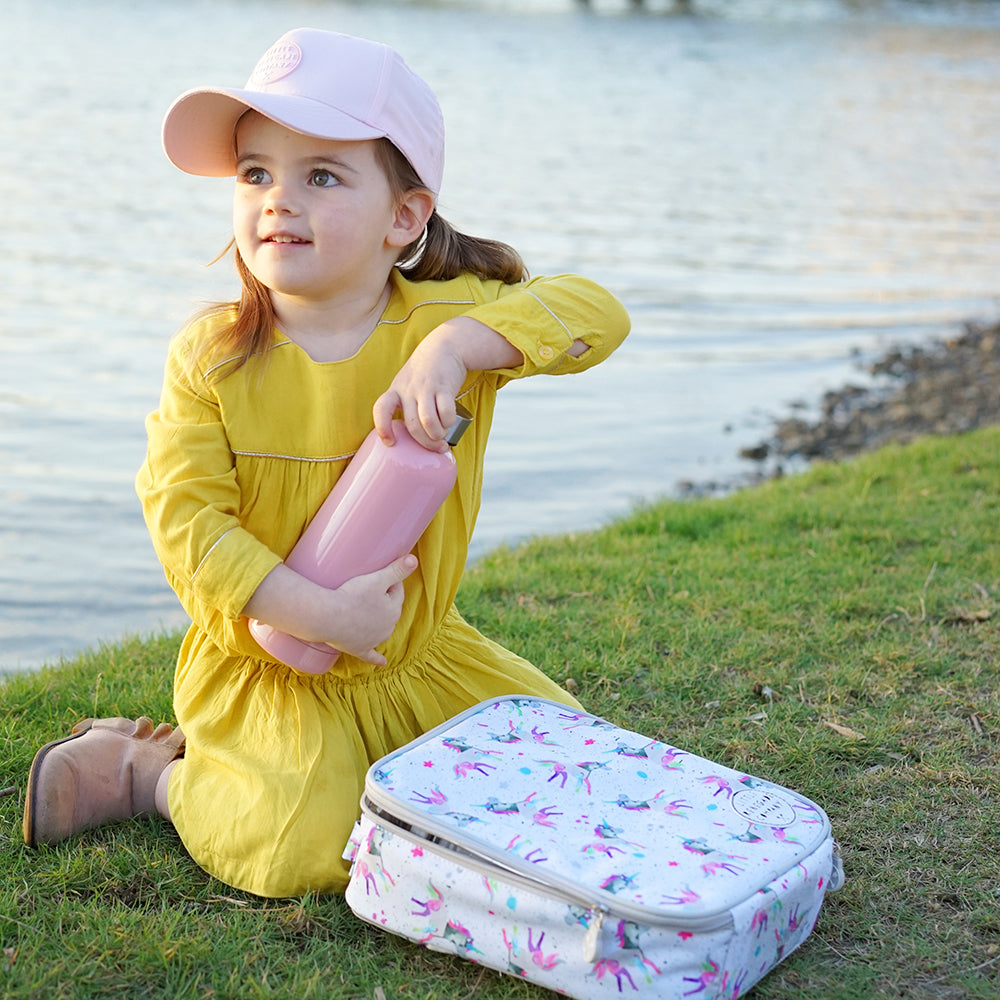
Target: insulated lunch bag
point(551, 845)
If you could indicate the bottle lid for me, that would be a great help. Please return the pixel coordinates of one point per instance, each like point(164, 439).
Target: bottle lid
point(457, 429)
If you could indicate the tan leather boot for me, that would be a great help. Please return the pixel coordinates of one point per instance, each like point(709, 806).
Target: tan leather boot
point(105, 770)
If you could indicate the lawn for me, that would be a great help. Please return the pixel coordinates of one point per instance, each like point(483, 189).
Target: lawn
point(836, 632)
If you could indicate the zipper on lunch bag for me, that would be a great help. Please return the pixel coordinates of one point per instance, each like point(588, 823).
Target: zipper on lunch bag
point(552, 887)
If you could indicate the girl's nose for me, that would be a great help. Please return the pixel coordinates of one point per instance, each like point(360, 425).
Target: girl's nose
point(279, 201)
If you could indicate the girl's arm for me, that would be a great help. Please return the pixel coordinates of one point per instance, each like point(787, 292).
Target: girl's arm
point(556, 325)
point(354, 618)
point(424, 391)
point(191, 501)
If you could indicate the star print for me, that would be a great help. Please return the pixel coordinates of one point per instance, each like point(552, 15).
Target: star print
point(428, 763)
point(417, 852)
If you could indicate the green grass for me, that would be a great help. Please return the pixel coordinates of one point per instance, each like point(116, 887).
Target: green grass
point(835, 632)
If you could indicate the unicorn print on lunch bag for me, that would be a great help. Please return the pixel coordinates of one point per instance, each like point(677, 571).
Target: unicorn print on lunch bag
point(588, 859)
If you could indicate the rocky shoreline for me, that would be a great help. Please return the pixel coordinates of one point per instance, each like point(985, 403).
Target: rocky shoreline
point(947, 387)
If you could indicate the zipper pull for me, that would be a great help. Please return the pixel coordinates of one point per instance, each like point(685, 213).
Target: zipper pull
point(837, 877)
point(353, 844)
point(592, 938)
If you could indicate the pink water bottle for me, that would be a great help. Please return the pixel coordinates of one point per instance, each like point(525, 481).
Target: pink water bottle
point(380, 506)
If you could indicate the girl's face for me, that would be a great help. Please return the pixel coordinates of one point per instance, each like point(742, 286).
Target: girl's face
point(314, 219)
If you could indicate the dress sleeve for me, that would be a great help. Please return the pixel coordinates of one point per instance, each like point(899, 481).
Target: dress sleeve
point(543, 317)
point(191, 499)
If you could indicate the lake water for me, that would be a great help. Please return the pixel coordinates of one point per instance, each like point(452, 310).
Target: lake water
point(775, 188)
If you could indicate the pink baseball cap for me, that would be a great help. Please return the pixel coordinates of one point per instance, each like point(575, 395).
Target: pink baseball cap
point(320, 83)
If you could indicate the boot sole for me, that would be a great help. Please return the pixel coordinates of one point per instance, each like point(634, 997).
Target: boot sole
point(31, 795)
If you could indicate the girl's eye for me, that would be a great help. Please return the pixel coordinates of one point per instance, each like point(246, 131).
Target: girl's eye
point(322, 178)
point(255, 175)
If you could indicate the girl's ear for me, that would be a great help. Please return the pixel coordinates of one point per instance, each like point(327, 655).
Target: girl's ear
point(412, 213)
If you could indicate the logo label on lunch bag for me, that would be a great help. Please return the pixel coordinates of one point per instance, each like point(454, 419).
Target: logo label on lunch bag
point(763, 807)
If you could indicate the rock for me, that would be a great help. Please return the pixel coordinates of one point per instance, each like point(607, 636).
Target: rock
point(948, 387)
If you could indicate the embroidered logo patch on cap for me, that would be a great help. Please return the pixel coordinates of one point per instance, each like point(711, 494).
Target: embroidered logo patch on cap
point(277, 62)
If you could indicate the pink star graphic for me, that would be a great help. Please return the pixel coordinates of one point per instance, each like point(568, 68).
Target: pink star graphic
point(417, 852)
point(428, 763)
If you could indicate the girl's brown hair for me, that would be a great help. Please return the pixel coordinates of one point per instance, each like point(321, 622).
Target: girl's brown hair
point(441, 253)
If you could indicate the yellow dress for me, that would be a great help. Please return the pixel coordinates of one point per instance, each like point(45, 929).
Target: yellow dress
point(269, 788)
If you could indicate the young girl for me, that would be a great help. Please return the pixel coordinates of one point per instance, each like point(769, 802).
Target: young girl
point(359, 302)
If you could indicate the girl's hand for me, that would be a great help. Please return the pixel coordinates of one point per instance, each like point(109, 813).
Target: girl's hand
point(423, 393)
point(353, 618)
point(371, 606)
point(425, 388)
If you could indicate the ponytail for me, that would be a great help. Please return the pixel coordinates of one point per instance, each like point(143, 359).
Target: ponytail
point(441, 253)
point(444, 253)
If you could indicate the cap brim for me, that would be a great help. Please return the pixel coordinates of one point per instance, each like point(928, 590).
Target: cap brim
point(200, 126)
